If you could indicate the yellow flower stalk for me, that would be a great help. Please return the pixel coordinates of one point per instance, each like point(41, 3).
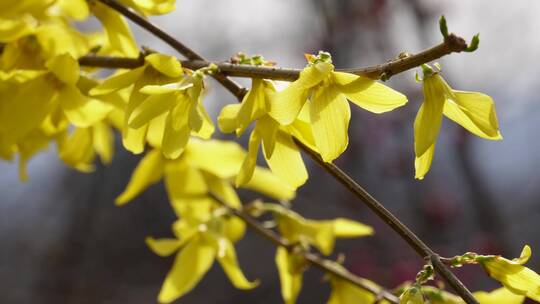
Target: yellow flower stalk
point(204, 166)
point(327, 92)
point(200, 240)
point(512, 274)
point(158, 69)
point(279, 150)
point(472, 110)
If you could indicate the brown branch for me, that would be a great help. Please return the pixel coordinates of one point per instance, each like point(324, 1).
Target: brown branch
point(314, 259)
point(385, 70)
point(414, 241)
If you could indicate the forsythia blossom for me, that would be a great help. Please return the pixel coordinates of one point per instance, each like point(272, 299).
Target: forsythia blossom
point(329, 111)
point(279, 149)
point(201, 238)
point(513, 275)
point(204, 166)
point(472, 110)
point(320, 234)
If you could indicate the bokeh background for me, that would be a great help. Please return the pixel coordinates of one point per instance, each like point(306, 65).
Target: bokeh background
point(63, 241)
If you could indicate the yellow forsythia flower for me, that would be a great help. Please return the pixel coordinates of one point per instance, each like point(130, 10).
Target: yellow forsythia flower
point(513, 275)
point(497, 296)
point(290, 268)
point(472, 110)
point(158, 69)
point(279, 150)
point(201, 239)
point(204, 166)
point(329, 111)
point(181, 104)
point(319, 233)
point(296, 229)
point(344, 292)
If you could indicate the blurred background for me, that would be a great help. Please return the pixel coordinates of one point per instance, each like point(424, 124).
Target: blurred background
point(63, 240)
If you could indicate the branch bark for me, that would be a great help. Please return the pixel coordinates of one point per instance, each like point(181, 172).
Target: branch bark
point(386, 70)
point(450, 45)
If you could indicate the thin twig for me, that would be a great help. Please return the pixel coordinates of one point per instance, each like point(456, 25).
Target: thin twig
point(314, 259)
point(385, 70)
point(414, 241)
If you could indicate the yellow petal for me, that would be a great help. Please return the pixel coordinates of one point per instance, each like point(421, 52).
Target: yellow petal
point(267, 127)
point(429, 118)
point(253, 105)
point(165, 89)
point(513, 275)
point(289, 277)
point(221, 158)
point(163, 247)
point(77, 150)
point(117, 82)
point(267, 183)
point(475, 112)
point(32, 101)
point(368, 94)
point(76, 9)
point(286, 105)
point(498, 296)
point(224, 190)
point(80, 110)
point(286, 161)
point(167, 65)
point(423, 163)
point(206, 127)
point(65, 68)
point(32, 143)
point(152, 107)
point(183, 181)
point(346, 228)
point(58, 38)
point(154, 136)
point(176, 133)
point(229, 263)
point(13, 29)
point(189, 267)
point(227, 118)
point(103, 140)
point(302, 131)
point(148, 171)
point(248, 166)
point(344, 292)
point(119, 35)
point(330, 115)
point(153, 7)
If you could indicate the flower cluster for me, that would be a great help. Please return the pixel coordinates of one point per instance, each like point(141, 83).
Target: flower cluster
point(46, 96)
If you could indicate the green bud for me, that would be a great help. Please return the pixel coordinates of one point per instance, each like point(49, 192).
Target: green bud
point(475, 41)
point(443, 27)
